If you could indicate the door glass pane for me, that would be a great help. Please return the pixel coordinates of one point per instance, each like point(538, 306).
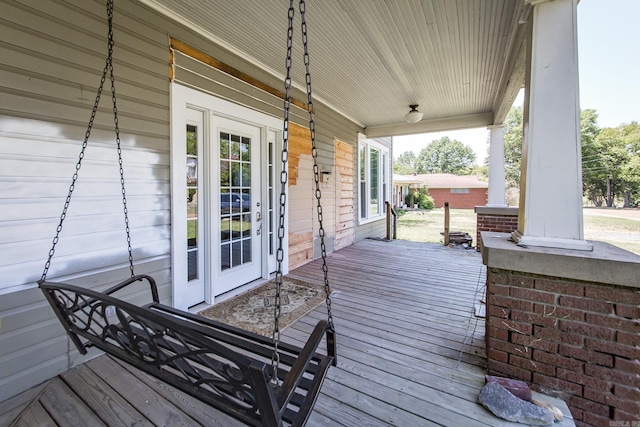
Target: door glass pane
point(374, 178)
point(235, 200)
point(192, 201)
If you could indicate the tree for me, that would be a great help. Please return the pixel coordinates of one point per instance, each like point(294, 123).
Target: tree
point(513, 147)
point(445, 156)
point(405, 164)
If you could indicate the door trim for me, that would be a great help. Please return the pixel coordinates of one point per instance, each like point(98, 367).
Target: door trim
point(183, 97)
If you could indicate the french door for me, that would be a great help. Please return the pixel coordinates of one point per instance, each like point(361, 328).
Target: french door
point(223, 230)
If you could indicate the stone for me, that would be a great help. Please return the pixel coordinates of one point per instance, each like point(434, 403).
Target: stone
point(503, 404)
point(518, 388)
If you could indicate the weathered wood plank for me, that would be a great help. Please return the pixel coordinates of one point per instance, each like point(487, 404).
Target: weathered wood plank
point(66, 408)
point(201, 412)
point(152, 405)
point(35, 416)
point(102, 399)
point(11, 408)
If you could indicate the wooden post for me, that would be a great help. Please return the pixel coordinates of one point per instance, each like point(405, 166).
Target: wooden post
point(446, 223)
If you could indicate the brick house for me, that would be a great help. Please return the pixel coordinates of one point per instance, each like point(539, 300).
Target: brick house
point(461, 191)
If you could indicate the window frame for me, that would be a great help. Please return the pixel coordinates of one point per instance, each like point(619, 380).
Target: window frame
point(365, 148)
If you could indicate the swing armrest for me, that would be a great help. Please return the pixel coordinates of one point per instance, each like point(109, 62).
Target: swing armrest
point(299, 367)
point(138, 277)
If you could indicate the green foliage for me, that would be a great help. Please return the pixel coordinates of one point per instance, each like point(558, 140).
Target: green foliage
point(445, 156)
point(405, 164)
point(611, 165)
point(513, 146)
point(421, 197)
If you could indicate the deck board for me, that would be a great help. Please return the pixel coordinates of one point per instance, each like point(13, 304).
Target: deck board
point(410, 349)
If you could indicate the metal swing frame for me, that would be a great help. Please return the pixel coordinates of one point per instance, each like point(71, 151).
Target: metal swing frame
point(258, 380)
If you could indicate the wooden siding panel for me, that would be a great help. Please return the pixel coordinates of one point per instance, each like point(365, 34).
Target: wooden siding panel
point(345, 222)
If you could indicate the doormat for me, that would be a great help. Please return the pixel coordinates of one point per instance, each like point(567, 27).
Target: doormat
point(253, 310)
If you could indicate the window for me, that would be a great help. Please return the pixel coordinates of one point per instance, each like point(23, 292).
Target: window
point(373, 177)
point(459, 191)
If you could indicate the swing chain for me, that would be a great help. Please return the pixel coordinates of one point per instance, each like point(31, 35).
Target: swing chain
point(275, 359)
point(316, 173)
point(107, 68)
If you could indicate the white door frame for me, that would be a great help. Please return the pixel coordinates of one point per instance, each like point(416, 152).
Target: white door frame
point(183, 98)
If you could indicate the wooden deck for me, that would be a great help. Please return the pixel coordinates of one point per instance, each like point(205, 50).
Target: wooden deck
point(411, 352)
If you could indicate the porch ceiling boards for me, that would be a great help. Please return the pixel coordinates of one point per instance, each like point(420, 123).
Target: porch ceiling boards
point(460, 60)
point(410, 351)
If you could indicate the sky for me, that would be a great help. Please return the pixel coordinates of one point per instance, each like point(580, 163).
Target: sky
point(609, 70)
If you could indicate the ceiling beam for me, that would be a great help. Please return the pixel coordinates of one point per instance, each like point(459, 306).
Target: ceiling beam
point(431, 125)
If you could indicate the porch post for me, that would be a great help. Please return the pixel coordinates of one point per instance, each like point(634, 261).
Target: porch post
point(496, 197)
point(551, 178)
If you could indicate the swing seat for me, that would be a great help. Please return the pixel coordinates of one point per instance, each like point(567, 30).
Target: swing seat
point(221, 365)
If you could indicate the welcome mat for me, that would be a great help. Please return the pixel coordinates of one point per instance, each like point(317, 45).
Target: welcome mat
point(253, 310)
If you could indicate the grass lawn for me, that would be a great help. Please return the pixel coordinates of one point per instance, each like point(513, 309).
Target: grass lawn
point(618, 227)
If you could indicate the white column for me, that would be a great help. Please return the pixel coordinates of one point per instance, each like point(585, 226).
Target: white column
point(551, 179)
point(496, 167)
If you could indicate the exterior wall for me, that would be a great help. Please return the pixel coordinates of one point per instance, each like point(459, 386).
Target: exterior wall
point(475, 197)
point(345, 198)
point(375, 228)
point(498, 220)
point(579, 338)
point(52, 56)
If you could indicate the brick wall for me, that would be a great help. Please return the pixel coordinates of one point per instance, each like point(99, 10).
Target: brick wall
point(475, 197)
point(495, 223)
point(580, 339)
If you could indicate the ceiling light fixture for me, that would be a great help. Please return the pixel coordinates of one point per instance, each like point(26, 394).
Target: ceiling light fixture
point(414, 115)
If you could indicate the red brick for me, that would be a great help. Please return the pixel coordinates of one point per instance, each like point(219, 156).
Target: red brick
point(557, 384)
point(539, 343)
point(587, 330)
point(500, 312)
point(613, 348)
point(522, 316)
point(501, 334)
point(553, 358)
point(628, 339)
point(504, 369)
point(558, 287)
point(514, 303)
point(532, 295)
point(593, 420)
point(608, 374)
point(500, 356)
point(555, 312)
point(613, 294)
point(508, 347)
point(558, 336)
point(628, 366)
point(589, 406)
point(593, 357)
point(627, 311)
point(584, 380)
point(620, 415)
point(587, 304)
point(626, 405)
point(624, 392)
point(531, 365)
point(517, 327)
point(596, 395)
point(520, 281)
point(494, 288)
point(613, 322)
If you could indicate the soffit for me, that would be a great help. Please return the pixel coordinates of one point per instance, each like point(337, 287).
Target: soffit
point(370, 59)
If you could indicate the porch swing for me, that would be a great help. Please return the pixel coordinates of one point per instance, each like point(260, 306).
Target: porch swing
point(260, 381)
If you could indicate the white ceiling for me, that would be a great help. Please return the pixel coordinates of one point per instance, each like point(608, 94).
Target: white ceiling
point(370, 59)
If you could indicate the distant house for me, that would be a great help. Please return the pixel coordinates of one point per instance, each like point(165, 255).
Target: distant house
point(461, 191)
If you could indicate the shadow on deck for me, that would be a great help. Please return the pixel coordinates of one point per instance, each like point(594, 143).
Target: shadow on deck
point(410, 352)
